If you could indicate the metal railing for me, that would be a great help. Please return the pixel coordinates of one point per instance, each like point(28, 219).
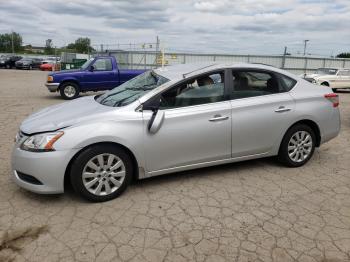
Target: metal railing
point(293, 64)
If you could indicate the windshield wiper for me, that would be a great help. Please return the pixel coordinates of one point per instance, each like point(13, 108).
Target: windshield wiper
point(143, 88)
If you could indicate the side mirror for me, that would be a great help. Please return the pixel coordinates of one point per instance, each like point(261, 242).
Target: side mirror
point(156, 121)
point(91, 68)
point(157, 117)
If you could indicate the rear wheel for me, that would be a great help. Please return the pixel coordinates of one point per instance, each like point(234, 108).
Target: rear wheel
point(101, 173)
point(298, 146)
point(69, 90)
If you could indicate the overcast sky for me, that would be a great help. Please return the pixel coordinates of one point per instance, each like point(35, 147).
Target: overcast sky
point(206, 26)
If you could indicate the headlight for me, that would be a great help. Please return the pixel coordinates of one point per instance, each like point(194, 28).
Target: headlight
point(41, 142)
point(49, 78)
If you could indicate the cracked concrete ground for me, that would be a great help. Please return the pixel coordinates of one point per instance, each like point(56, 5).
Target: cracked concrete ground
point(250, 211)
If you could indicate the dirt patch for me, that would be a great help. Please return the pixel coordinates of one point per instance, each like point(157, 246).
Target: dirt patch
point(14, 240)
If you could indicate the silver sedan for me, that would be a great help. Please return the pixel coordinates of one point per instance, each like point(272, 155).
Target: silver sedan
point(173, 119)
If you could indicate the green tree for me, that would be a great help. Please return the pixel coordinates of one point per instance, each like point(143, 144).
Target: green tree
point(81, 45)
point(6, 42)
point(343, 55)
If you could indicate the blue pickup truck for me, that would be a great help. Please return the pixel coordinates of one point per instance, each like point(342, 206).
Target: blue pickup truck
point(99, 73)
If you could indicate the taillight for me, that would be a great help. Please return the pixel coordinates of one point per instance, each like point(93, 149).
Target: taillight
point(333, 98)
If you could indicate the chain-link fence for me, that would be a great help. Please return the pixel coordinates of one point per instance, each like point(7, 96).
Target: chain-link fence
point(294, 64)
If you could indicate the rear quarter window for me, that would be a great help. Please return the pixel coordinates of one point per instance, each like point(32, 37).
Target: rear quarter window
point(287, 83)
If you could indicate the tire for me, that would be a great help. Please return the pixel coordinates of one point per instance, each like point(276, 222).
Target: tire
point(103, 178)
point(302, 151)
point(69, 90)
point(8, 66)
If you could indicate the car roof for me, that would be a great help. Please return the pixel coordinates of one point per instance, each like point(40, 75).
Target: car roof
point(335, 68)
point(182, 71)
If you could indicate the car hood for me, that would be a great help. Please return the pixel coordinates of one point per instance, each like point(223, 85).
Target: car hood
point(63, 115)
point(65, 72)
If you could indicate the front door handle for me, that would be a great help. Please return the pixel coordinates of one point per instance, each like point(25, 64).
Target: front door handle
point(282, 109)
point(218, 118)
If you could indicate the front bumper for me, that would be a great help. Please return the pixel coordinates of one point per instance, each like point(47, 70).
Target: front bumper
point(46, 167)
point(53, 87)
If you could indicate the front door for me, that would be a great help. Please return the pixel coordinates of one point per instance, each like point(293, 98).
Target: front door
point(261, 111)
point(344, 78)
point(196, 127)
point(102, 76)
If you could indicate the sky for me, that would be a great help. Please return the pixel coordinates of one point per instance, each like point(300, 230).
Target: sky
point(200, 26)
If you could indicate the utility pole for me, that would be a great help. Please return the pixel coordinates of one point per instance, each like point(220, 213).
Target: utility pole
point(284, 57)
point(13, 46)
point(157, 50)
point(305, 43)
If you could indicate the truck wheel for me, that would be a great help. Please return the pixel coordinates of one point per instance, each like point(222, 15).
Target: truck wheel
point(69, 90)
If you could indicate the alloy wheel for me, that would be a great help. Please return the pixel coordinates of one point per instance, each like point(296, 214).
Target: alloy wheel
point(103, 174)
point(69, 91)
point(300, 146)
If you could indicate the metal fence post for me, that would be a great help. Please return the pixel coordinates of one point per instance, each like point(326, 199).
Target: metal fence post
point(305, 64)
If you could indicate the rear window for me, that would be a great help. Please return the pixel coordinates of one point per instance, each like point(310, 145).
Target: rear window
point(287, 82)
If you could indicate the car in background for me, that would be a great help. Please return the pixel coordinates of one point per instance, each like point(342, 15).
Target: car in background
point(8, 61)
point(335, 78)
point(50, 60)
point(28, 63)
point(51, 66)
point(173, 119)
point(97, 74)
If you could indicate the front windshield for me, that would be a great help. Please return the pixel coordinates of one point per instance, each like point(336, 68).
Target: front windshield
point(86, 64)
point(326, 71)
point(132, 89)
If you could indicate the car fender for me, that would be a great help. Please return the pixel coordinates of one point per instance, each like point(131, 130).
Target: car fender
point(116, 132)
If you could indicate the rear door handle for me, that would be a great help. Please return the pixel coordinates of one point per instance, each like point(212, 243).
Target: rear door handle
point(282, 109)
point(218, 118)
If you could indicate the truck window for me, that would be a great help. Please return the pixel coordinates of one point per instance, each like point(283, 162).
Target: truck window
point(103, 64)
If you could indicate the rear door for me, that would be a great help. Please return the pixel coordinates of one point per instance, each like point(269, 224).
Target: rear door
point(102, 77)
point(261, 110)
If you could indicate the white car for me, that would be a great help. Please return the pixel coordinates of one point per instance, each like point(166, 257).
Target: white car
point(332, 77)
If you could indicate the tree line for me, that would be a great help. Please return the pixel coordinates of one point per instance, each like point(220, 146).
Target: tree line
point(13, 42)
point(10, 42)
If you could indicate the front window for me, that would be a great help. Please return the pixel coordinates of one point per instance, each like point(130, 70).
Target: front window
point(203, 89)
point(345, 72)
point(87, 63)
point(132, 90)
point(103, 64)
point(326, 71)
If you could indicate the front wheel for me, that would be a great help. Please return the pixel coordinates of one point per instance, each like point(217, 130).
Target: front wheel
point(69, 90)
point(298, 146)
point(101, 173)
